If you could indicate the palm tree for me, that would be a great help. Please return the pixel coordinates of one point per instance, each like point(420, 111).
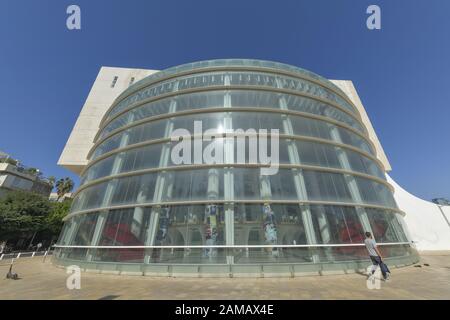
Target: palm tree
point(63, 186)
point(51, 181)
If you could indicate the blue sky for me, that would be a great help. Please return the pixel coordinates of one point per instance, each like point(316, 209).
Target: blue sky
point(401, 71)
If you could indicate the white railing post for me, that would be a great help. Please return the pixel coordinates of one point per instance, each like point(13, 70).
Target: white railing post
point(45, 255)
point(18, 256)
point(1, 257)
point(33, 254)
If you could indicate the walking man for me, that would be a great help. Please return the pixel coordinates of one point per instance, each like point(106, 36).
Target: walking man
point(376, 257)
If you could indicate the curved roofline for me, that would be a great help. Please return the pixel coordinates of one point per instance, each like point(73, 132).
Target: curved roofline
point(172, 71)
point(228, 62)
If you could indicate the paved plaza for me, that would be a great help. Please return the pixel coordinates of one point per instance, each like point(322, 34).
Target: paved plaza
point(42, 280)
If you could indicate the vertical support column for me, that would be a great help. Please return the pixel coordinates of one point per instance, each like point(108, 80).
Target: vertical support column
point(397, 227)
point(164, 183)
point(151, 233)
point(70, 236)
point(350, 179)
point(97, 234)
point(264, 187)
point(299, 181)
point(266, 194)
point(110, 188)
point(228, 178)
point(211, 217)
point(406, 236)
point(164, 188)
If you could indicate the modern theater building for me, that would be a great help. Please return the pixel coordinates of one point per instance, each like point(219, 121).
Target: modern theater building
point(137, 211)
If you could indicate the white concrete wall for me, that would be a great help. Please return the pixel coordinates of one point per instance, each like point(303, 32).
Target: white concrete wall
point(100, 98)
point(11, 178)
point(427, 226)
point(350, 90)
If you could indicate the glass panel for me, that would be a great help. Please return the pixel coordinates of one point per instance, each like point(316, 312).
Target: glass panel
point(63, 236)
point(128, 227)
point(86, 226)
point(201, 184)
point(153, 87)
point(385, 226)
point(324, 186)
point(98, 170)
point(311, 153)
point(83, 237)
point(142, 158)
point(257, 224)
point(91, 197)
point(282, 185)
point(239, 98)
point(190, 225)
point(352, 139)
point(241, 120)
point(335, 224)
point(250, 220)
point(375, 193)
point(247, 184)
point(134, 189)
point(317, 154)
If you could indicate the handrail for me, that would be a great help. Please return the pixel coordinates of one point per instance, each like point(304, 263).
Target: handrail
point(18, 255)
point(232, 246)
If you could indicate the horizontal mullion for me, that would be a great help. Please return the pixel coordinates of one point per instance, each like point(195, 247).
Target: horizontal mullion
point(231, 202)
point(224, 69)
point(225, 88)
point(231, 165)
point(227, 110)
point(224, 135)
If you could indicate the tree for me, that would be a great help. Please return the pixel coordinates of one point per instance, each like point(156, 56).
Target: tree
point(22, 213)
point(27, 214)
point(51, 181)
point(53, 221)
point(33, 171)
point(9, 161)
point(63, 186)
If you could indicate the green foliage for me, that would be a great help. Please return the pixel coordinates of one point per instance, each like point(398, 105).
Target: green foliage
point(53, 221)
point(51, 181)
point(64, 186)
point(33, 171)
point(9, 161)
point(23, 213)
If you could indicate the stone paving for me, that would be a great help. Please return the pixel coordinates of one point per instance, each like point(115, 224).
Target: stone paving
point(42, 280)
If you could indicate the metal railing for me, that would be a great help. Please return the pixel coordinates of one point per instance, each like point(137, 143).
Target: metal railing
point(230, 246)
point(28, 254)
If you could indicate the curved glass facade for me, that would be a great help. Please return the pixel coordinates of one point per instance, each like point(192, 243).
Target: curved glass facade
point(137, 208)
